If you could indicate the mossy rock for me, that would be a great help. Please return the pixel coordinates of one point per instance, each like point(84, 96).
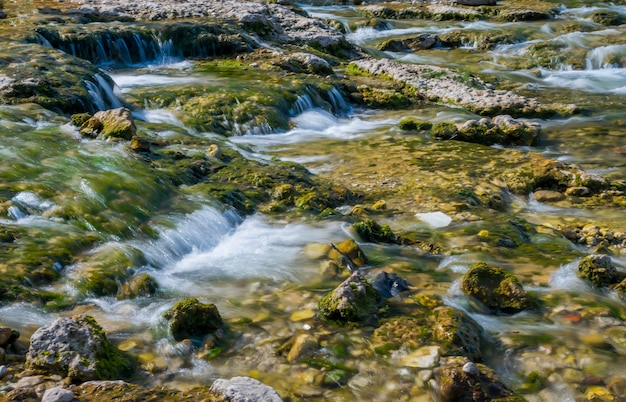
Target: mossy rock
point(472, 382)
point(55, 80)
point(191, 319)
point(599, 270)
point(414, 124)
point(77, 347)
point(456, 333)
point(444, 131)
point(498, 289)
point(381, 98)
point(607, 18)
point(103, 272)
point(141, 285)
point(353, 302)
point(371, 231)
point(351, 249)
point(112, 123)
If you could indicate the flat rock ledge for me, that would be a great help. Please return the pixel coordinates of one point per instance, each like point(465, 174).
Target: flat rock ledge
point(442, 85)
point(271, 20)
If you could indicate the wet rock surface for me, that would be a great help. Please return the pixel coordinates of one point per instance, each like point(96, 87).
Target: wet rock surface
point(77, 348)
point(189, 318)
point(353, 301)
point(497, 289)
point(446, 88)
point(240, 389)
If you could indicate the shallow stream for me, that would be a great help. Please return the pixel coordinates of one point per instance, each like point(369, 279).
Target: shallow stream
point(261, 272)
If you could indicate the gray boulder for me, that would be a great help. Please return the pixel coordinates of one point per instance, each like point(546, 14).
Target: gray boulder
point(76, 347)
point(57, 394)
point(245, 389)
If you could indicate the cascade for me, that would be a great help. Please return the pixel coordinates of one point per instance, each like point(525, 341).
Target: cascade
point(102, 93)
point(605, 57)
point(303, 103)
point(340, 105)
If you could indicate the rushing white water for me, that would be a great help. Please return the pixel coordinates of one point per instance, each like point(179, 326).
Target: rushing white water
point(599, 81)
point(315, 124)
point(158, 116)
point(254, 250)
point(126, 82)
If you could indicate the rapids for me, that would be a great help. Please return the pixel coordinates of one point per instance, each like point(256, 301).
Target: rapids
point(259, 270)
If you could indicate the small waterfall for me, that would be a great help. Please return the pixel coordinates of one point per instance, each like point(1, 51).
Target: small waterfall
point(167, 51)
point(605, 57)
point(340, 106)
point(200, 230)
point(102, 93)
point(43, 41)
point(141, 47)
point(101, 54)
point(123, 52)
point(303, 103)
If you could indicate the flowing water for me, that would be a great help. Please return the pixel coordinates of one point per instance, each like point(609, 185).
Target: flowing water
point(257, 270)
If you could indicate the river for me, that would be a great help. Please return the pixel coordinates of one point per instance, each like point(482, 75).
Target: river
point(260, 270)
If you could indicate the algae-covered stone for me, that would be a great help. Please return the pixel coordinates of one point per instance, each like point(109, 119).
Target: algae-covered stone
point(77, 347)
point(112, 123)
point(413, 123)
point(138, 286)
point(607, 18)
point(599, 270)
point(472, 383)
point(371, 231)
point(456, 332)
point(498, 289)
point(350, 249)
point(189, 318)
point(31, 73)
point(8, 336)
point(353, 301)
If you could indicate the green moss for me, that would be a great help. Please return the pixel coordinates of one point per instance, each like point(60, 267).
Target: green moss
point(191, 319)
point(497, 289)
point(111, 363)
point(384, 98)
point(355, 301)
point(369, 230)
point(413, 123)
point(444, 131)
point(599, 270)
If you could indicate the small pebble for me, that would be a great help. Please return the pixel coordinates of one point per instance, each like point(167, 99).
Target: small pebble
point(3, 371)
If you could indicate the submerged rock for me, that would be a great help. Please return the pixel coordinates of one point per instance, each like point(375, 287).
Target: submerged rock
point(353, 301)
point(244, 389)
point(76, 347)
point(191, 319)
point(502, 129)
point(456, 332)
point(141, 285)
point(348, 254)
point(390, 285)
point(471, 382)
point(451, 330)
point(498, 289)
